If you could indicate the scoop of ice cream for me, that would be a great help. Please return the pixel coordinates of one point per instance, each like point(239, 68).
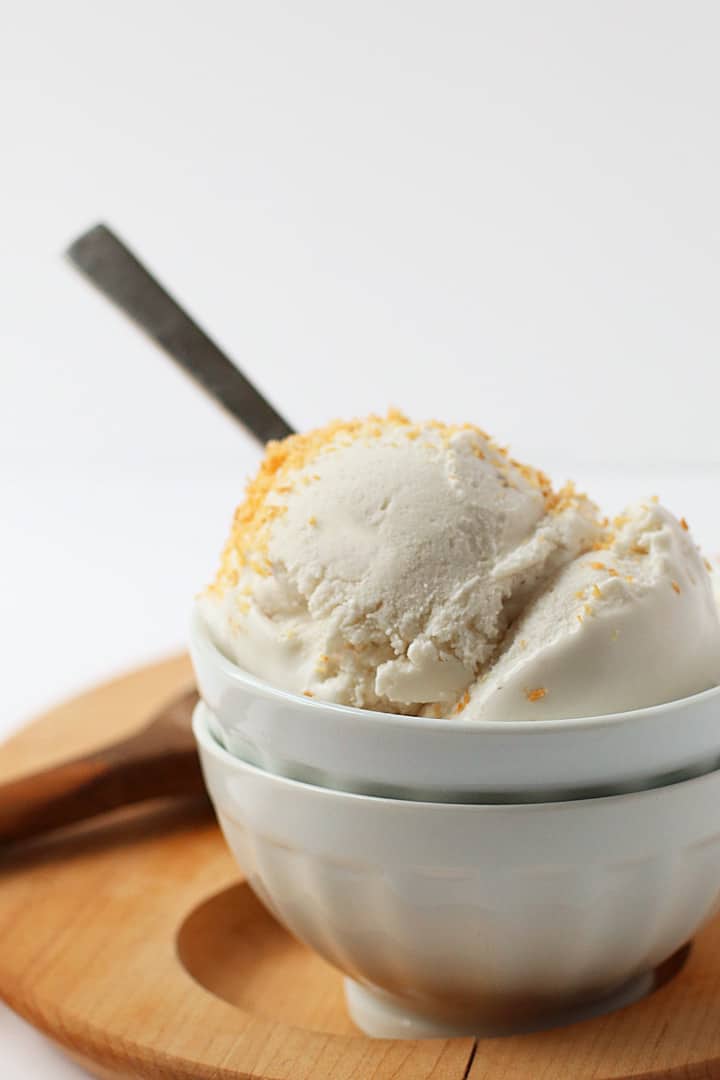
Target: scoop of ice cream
point(416, 568)
point(379, 563)
point(634, 623)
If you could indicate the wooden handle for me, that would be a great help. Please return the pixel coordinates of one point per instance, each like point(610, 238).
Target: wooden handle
point(157, 762)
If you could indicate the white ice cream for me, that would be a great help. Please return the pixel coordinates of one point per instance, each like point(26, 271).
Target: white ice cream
point(379, 565)
point(418, 569)
point(635, 624)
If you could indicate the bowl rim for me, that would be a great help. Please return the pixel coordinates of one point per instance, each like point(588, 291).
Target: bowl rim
point(207, 742)
point(201, 638)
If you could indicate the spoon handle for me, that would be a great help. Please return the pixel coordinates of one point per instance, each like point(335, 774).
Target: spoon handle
point(106, 261)
point(159, 761)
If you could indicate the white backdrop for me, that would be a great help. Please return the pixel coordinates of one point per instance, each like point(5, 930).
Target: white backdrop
point(503, 212)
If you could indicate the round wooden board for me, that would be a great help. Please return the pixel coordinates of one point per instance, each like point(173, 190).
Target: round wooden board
point(135, 944)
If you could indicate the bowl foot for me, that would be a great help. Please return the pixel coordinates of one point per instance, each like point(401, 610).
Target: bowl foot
point(384, 1017)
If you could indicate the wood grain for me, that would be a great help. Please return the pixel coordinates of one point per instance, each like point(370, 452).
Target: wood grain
point(89, 924)
point(159, 761)
point(135, 944)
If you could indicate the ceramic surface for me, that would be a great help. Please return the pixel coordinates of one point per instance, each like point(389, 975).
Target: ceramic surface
point(453, 760)
point(485, 918)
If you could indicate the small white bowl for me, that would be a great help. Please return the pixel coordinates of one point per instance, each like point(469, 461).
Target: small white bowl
point(458, 919)
point(453, 760)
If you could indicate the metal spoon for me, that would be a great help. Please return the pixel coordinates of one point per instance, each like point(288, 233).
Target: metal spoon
point(106, 261)
point(160, 760)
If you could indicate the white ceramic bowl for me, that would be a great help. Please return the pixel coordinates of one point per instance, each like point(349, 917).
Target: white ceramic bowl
point(453, 918)
point(453, 760)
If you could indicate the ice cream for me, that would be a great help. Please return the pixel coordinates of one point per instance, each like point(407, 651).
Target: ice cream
point(418, 569)
point(633, 623)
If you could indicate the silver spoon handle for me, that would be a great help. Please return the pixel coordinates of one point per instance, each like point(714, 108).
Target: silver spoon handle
point(103, 258)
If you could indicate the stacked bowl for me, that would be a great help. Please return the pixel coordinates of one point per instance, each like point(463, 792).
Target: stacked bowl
point(468, 877)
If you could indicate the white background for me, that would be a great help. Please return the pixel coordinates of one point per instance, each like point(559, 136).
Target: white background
point(502, 212)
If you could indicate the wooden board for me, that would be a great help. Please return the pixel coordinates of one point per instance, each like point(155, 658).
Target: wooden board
point(135, 944)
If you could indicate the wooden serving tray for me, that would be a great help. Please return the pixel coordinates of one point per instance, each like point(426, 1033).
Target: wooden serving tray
point(135, 944)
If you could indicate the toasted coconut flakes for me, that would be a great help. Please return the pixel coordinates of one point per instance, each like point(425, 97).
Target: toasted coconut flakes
point(287, 463)
point(462, 702)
